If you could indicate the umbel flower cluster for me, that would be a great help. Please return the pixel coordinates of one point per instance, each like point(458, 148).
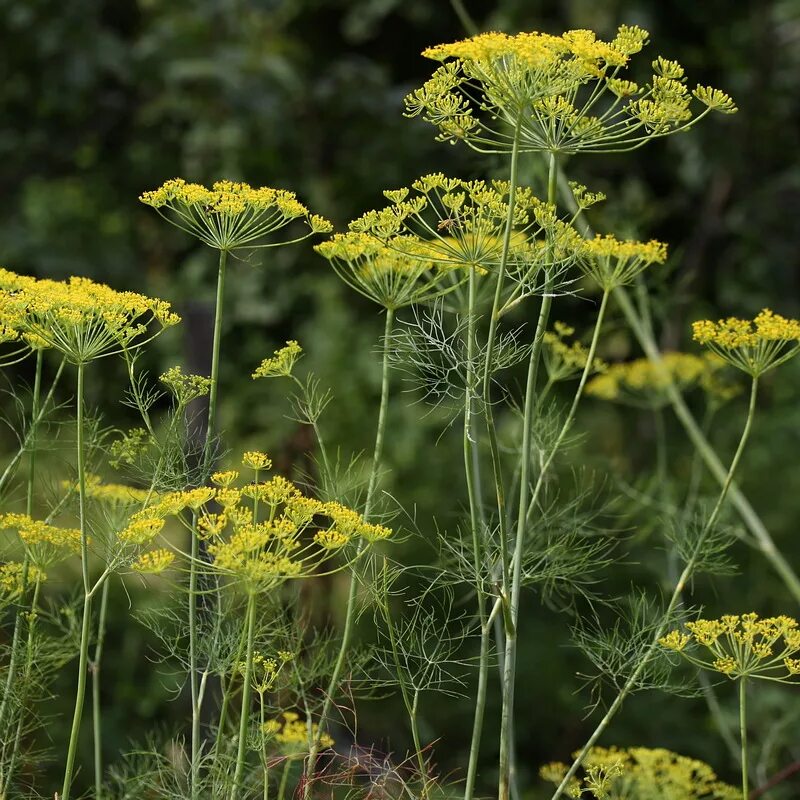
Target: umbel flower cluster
point(231, 215)
point(449, 223)
point(260, 533)
point(753, 346)
point(79, 318)
point(743, 646)
point(535, 92)
point(393, 276)
point(641, 773)
point(644, 382)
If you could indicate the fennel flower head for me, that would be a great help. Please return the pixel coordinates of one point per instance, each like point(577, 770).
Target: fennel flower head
point(261, 533)
point(454, 223)
point(45, 544)
point(753, 346)
point(613, 262)
point(393, 275)
point(557, 94)
point(746, 646)
point(231, 215)
point(641, 773)
point(81, 319)
point(644, 383)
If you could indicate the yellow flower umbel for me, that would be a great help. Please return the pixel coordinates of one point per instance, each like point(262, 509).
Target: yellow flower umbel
point(12, 317)
point(641, 773)
point(743, 646)
point(453, 223)
point(644, 383)
point(185, 387)
point(393, 276)
point(752, 346)
point(85, 320)
point(290, 733)
point(231, 215)
point(556, 94)
point(266, 532)
point(612, 262)
point(281, 363)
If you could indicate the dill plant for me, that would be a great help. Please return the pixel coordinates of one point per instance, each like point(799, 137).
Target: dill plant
point(450, 263)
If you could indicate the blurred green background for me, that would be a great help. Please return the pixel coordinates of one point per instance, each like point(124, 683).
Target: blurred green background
point(103, 100)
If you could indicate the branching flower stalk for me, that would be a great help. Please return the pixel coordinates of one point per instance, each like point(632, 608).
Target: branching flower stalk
point(693, 429)
point(647, 341)
point(741, 648)
point(684, 578)
point(227, 217)
point(30, 434)
point(527, 506)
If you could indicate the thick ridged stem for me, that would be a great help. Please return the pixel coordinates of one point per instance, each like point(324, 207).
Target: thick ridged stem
point(684, 578)
point(350, 609)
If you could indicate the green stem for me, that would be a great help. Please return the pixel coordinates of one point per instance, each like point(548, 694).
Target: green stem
point(83, 659)
point(284, 780)
point(382, 412)
point(509, 668)
point(739, 501)
point(211, 426)
point(470, 460)
point(264, 756)
point(96, 708)
point(350, 609)
point(226, 695)
point(631, 683)
point(37, 390)
point(194, 770)
point(246, 691)
point(213, 394)
point(488, 366)
point(743, 735)
point(746, 511)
